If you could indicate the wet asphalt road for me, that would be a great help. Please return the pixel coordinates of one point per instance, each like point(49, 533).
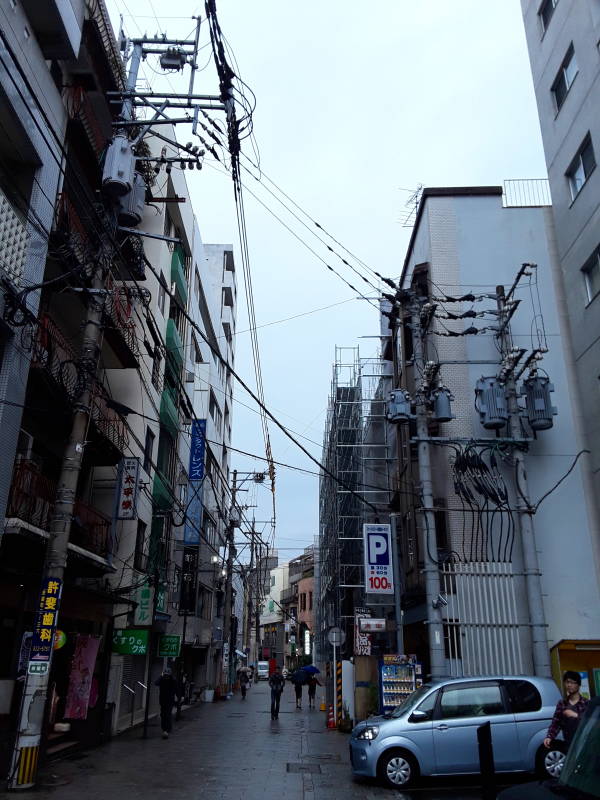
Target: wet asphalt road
point(230, 750)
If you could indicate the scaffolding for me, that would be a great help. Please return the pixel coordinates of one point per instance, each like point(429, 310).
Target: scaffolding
point(356, 452)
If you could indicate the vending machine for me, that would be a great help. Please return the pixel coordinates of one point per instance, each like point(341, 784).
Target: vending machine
point(398, 677)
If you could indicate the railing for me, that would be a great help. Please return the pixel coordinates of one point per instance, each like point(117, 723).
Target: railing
point(119, 309)
point(31, 499)
point(526, 192)
point(108, 422)
point(54, 353)
point(79, 107)
point(288, 595)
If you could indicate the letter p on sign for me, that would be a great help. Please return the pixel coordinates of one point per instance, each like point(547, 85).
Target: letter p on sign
point(378, 547)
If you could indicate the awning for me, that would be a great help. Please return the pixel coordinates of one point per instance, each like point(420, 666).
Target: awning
point(240, 654)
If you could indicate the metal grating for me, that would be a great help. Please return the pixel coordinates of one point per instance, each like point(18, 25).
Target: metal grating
point(315, 769)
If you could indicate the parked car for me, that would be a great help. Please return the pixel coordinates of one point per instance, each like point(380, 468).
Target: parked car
point(580, 775)
point(262, 670)
point(434, 731)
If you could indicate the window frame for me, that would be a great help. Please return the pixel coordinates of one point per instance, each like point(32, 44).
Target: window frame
point(592, 263)
point(544, 5)
point(577, 163)
point(438, 715)
point(562, 78)
point(149, 440)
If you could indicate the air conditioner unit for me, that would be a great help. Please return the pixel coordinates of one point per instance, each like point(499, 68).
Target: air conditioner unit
point(189, 376)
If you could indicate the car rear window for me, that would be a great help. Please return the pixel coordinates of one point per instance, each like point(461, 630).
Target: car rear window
point(523, 696)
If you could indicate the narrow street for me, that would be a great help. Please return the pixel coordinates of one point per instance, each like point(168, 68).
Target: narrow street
point(229, 750)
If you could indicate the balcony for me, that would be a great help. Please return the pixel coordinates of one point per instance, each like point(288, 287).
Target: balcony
point(108, 438)
point(168, 413)
point(31, 500)
point(228, 322)
point(56, 28)
point(178, 274)
point(119, 328)
point(174, 345)
point(289, 595)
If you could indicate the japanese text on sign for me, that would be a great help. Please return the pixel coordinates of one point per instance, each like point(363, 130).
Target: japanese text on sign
point(46, 619)
point(196, 471)
point(128, 488)
point(169, 645)
point(127, 641)
point(378, 559)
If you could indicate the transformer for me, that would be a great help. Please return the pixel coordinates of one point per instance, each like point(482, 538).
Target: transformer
point(398, 408)
point(491, 403)
point(538, 405)
point(119, 165)
point(442, 410)
point(131, 205)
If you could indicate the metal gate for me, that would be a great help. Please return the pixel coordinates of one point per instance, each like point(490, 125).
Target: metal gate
point(481, 620)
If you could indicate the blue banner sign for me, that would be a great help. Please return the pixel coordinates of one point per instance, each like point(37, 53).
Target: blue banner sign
point(46, 619)
point(196, 471)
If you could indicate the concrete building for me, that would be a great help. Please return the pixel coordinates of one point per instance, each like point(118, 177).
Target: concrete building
point(272, 616)
point(562, 38)
point(464, 244)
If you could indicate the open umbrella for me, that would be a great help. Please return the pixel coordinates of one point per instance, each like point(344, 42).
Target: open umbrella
point(299, 676)
point(311, 669)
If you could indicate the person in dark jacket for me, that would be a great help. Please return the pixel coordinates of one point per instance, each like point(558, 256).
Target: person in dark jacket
point(276, 682)
point(167, 694)
point(568, 710)
point(313, 682)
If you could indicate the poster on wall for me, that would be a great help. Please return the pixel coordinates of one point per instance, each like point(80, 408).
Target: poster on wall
point(362, 640)
point(81, 677)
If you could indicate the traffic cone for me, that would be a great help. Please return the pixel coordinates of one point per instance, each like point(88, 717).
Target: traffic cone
point(330, 719)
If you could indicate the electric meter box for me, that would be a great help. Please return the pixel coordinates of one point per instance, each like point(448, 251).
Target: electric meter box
point(491, 403)
point(119, 166)
point(131, 205)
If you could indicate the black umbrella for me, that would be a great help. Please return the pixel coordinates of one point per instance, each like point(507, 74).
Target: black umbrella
point(299, 676)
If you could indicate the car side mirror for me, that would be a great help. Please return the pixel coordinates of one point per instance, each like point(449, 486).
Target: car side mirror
point(418, 716)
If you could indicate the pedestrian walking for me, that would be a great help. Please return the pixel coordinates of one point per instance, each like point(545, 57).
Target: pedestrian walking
point(168, 691)
point(244, 681)
point(298, 691)
point(276, 682)
point(312, 690)
point(569, 710)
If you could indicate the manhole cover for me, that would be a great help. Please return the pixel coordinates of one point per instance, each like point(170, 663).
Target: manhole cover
point(314, 768)
point(236, 715)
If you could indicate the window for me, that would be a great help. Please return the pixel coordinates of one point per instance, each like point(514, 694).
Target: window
point(162, 294)
point(156, 362)
point(197, 354)
point(523, 696)
point(197, 284)
point(228, 260)
point(303, 601)
point(140, 559)
point(545, 13)
point(148, 448)
point(581, 167)
point(471, 701)
point(591, 273)
point(272, 580)
point(215, 412)
point(426, 707)
point(310, 601)
point(566, 75)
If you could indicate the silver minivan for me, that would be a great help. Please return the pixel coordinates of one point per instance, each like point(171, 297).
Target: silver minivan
point(434, 731)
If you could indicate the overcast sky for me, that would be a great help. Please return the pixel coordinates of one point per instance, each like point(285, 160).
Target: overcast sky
point(356, 105)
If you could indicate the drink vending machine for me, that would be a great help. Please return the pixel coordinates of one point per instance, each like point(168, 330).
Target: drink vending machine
point(399, 675)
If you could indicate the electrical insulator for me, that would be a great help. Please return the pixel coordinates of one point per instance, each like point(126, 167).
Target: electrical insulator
point(538, 405)
point(119, 165)
point(442, 410)
point(398, 408)
point(491, 403)
point(131, 206)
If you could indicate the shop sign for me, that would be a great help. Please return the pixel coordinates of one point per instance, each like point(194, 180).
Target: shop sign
point(372, 625)
point(130, 642)
point(196, 471)
point(169, 646)
point(193, 519)
point(38, 667)
point(129, 469)
point(189, 575)
point(60, 639)
point(362, 640)
point(144, 597)
point(378, 559)
point(46, 619)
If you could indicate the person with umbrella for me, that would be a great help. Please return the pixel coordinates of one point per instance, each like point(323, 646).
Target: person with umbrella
point(299, 677)
point(313, 682)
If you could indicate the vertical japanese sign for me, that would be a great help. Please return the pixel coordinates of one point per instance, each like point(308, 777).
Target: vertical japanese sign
point(193, 522)
point(189, 574)
point(144, 597)
point(128, 488)
point(362, 641)
point(46, 619)
point(379, 576)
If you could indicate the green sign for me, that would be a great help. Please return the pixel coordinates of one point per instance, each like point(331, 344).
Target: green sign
point(169, 645)
point(130, 642)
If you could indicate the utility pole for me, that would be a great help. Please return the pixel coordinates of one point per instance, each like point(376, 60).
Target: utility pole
point(231, 553)
point(395, 519)
point(533, 584)
point(432, 576)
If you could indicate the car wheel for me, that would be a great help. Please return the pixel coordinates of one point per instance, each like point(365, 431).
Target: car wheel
point(550, 760)
point(397, 768)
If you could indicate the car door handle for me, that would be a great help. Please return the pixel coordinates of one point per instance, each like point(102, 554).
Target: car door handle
point(441, 727)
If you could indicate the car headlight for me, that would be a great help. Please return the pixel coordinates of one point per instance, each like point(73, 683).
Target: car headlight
point(369, 733)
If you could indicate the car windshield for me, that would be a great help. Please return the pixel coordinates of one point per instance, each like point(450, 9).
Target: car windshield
point(581, 770)
point(411, 701)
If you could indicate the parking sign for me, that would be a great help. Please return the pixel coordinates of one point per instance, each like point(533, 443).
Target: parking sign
point(379, 576)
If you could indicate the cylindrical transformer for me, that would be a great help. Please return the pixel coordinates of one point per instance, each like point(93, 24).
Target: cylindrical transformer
point(398, 409)
point(491, 403)
point(119, 165)
point(131, 205)
point(538, 404)
point(442, 410)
